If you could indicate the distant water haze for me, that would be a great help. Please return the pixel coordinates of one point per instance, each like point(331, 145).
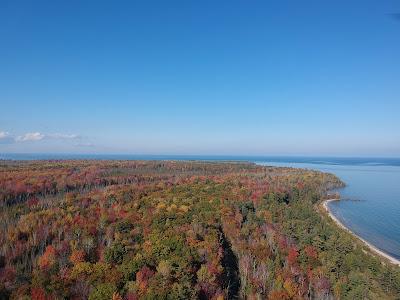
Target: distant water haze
point(372, 182)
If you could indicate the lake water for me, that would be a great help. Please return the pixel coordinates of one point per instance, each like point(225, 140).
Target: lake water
point(372, 210)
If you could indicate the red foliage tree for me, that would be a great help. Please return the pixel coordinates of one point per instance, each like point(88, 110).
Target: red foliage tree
point(292, 255)
point(48, 258)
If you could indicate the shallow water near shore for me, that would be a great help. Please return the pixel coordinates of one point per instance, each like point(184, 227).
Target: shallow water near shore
point(372, 206)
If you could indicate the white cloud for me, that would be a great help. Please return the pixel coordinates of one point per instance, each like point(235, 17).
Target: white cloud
point(37, 136)
point(62, 136)
point(4, 134)
point(31, 136)
point(6, 138)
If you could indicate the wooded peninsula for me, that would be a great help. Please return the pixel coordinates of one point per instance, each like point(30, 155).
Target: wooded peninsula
point(94, 229)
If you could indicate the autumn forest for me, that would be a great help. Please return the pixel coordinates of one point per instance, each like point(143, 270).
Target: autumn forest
point(88, 229)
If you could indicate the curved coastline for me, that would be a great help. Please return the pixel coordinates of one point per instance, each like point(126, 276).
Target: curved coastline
point(373, 249)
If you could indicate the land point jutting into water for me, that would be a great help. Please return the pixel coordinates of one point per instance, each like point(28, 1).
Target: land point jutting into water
point(369, 206)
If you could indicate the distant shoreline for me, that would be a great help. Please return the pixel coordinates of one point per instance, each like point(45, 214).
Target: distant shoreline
point(374, 249)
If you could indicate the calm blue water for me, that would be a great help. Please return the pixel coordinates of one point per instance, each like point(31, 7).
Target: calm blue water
point(373, 187)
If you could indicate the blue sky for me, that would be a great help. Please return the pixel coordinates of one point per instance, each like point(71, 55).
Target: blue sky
point(200, 77)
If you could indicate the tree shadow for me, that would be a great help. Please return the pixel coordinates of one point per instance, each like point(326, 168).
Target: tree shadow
point(230, 278)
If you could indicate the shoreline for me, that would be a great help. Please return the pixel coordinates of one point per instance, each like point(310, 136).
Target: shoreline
point(373, 249)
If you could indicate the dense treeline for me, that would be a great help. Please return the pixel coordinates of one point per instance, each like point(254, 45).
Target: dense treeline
point(177, 230)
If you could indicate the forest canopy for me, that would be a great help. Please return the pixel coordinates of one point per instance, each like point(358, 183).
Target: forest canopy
point(177, 230)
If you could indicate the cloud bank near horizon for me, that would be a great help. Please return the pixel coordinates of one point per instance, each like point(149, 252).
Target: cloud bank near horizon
point(7, 138)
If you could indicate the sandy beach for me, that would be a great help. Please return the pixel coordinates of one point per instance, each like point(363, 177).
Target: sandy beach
point(375, 250)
